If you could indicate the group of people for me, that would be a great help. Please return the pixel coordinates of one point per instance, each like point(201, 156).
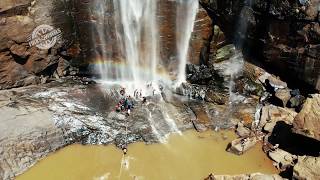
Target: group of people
point(126, 103)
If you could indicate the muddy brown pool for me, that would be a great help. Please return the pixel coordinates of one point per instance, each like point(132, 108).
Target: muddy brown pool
point(191, 155)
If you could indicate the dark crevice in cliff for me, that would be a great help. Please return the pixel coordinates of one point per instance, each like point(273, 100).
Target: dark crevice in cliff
point(21, 10)
point(19, 59)
point(293, 143)
point(48, 72)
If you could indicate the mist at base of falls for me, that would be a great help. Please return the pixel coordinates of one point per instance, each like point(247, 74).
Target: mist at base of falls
point(136, 23)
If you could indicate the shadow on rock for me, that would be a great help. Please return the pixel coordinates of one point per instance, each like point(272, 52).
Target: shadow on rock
point(293, 143)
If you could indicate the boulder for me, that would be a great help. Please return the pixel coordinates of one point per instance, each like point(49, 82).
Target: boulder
point(241, 145)
point(15, 28)
point(10, 71)
point(63, 65)
point(272, 114)
point(275, 82)
point(307, 122)
point(198, 74)
point(282, 158)
point(19, 50)
point(224, 53)
point(216, 97)
point(242, 131)
point(296, 101)
point(269, 126)
point(307, 168)
point(217, 42)
point(283, 95)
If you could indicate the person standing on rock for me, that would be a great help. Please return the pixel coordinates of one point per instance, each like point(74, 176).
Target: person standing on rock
point(129, 104)
point(122, 91)
point(144, 100)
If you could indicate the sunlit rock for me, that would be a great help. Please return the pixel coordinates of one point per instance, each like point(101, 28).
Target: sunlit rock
point(307, 121)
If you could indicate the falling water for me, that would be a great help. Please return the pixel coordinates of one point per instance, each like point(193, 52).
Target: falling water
point(173, 126)
point(138, 38)
point(237, 60)
point(186, 15)
point(137, 32)
point(234, 70)
point(243, 23)
point(155, 131)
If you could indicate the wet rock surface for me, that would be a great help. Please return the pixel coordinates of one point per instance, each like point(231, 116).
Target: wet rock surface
point(44, 118)
point(27, 135)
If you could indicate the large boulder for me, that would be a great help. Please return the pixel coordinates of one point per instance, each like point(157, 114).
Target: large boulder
point(271, 114)
point(283, 95)
point(282, 158)
point(307, 168)
point(307, 122)
point(242, 131)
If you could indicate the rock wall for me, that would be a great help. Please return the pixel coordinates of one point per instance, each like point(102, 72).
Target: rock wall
point(22, 64)
point(82, 23)
point(283, 34)
point(200, 38)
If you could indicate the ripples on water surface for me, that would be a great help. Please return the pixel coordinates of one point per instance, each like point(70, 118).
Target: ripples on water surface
point(189, 156)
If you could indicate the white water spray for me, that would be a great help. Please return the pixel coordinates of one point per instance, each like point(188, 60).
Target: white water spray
point(137, 34)
point(186, 16)
point(137, 31)
point(171, 123)
point(155, 131)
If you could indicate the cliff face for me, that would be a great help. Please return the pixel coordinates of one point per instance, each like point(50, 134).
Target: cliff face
point(22, 64)
point(89, 32)
point(283, 34)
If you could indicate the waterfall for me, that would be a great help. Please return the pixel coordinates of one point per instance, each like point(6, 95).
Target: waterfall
point(186, 16)
point(137, 33)
point(138, 38)
point(242, 25)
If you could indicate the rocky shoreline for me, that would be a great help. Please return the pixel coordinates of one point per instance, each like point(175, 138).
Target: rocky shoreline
point(38, 120)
